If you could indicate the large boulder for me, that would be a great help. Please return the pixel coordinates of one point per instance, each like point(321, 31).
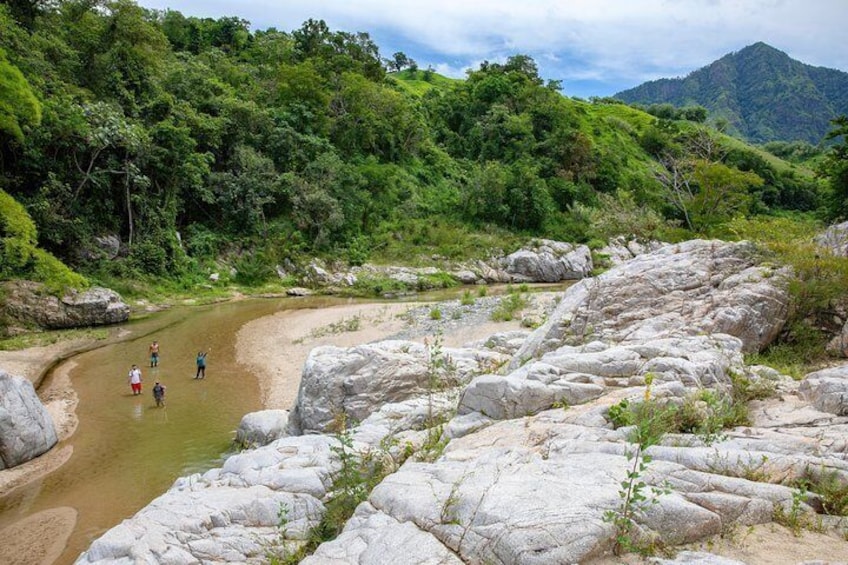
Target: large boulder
point(691, 288)
point(355, 382)
point(239, 513)
point(29, 303)
point(827, 390)
point(26, 428)
point(548, 261)
point(261, 428)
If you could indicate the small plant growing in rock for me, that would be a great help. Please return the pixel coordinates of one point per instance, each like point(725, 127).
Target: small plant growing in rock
point(794, 518)
point(650, 421)
point(435, 313)
point(467, 298)
point(482, 291)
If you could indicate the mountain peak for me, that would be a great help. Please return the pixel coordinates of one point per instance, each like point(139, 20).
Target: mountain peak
point(762, 93)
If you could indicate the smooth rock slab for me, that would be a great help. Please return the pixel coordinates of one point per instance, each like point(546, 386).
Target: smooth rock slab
point(827, 390)
point(26, 428)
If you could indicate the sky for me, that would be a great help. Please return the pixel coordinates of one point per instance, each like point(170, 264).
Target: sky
point(594, 47)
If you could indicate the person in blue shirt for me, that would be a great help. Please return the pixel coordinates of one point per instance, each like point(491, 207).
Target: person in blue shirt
point(201, 365)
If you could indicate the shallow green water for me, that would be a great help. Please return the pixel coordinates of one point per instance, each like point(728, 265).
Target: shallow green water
point(127, 451)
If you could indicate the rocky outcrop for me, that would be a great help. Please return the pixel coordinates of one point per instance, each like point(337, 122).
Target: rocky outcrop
point(621, 249)
point(28, 303)
point(530, 466)
point(827, 390)
point(354, 382)
point(548, 261)
point(26, 429)
point(834, 239)
point(695, 287)
point(541, 261)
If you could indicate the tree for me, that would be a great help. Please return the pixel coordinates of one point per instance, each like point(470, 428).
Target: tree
point(834, 168)
point(704, 192)
point(18, 104)
point(398, 62)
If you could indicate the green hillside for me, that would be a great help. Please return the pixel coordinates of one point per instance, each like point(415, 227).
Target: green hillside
point(761, 92)
point(419, 82)
point(204, 146)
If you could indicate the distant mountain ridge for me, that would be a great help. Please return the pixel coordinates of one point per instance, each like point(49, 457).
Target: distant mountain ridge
point(764, 94)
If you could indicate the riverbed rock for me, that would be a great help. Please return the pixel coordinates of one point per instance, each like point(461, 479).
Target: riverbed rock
point(621, 249)
point(262, 502)
point(261, 428)
point(354, 382)
point(695, 287)
point(29, 303)
point(544, 260)
point(26, 428)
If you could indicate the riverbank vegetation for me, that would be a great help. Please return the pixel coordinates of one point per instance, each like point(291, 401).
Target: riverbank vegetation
point(146, 150)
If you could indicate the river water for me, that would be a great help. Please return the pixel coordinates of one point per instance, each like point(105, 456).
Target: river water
point(125, 450)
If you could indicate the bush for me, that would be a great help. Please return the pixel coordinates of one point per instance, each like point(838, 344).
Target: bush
point(252, 270)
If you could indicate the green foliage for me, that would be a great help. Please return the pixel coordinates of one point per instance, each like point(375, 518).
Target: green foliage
point(835, 169)
point(650, 421)
point(252, 269)
point(154, 124)
point(508, 307)
point(18, 105)
point(467, 298)
point(435, 314)
point(19, 256)
point(831, 487)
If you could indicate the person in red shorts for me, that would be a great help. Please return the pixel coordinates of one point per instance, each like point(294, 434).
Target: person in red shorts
point(134, 378)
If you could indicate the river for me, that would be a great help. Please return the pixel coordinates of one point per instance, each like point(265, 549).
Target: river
point(125, 450)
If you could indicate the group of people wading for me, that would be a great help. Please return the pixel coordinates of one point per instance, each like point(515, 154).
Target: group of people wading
point(135, 377)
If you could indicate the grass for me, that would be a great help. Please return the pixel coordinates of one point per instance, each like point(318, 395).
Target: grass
point(41, 339)
point(509, 306)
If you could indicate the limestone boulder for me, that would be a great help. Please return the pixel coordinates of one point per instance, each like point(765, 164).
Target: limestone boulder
point(576, 375)
point(261, 503)
point(827, 390)
point(355, 382)
point(620, 249)
point(29, 303)
point(695, 287)
point(26, 428)
point(548, 261)
point(261, 428)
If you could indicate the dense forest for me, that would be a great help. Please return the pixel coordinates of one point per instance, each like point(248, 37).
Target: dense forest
point(198, 143)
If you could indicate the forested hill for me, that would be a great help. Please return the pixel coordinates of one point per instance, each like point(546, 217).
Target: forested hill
point(762, 93)
point(140, 146)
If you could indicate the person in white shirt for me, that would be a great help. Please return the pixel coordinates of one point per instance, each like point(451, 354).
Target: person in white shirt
point(134, 378)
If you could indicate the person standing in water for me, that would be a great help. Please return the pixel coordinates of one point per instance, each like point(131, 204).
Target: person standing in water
point(134, 378)
point(159, 394)
point(154, 354)
point(201, 365)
